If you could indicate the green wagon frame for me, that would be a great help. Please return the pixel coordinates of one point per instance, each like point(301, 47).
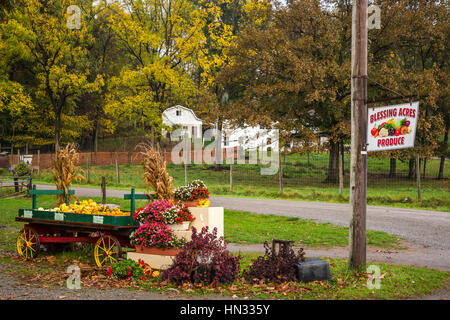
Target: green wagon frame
point(52, 229)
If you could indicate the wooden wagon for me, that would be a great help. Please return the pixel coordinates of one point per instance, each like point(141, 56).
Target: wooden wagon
point(109, 233)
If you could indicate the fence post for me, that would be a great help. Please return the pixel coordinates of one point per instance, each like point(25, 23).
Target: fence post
point(280, 172)
point(418, 176)
point(39, 162)
point(16, 184)
point(231, 177)
point(103, 190)
point(88, 168)
point(117, 168)
point(341, 173)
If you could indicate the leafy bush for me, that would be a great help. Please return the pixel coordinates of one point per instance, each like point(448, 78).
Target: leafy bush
point(126, 269)
point(22, 169)
point(204, 259)
point(274, 267)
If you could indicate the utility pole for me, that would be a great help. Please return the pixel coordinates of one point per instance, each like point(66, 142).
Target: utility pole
point(358, 165)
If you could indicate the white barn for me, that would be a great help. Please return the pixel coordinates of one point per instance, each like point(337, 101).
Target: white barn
point(183, 118)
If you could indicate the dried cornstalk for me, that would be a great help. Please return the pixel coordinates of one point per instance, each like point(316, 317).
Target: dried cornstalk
point(155, 173)
point(64, 171)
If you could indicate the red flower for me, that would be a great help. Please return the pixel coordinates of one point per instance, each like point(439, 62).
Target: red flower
point(109, 272)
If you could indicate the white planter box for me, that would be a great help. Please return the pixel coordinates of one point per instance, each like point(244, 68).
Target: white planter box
point(153, 260)
point(179, 227)
point(211, 217)
point(183, 234)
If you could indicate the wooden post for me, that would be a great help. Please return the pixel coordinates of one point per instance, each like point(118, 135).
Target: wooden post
point(358, 165)
point(18, 156)
point(280, 172)
point(419, 195)
point(16, 184)
point(117, 168)
point(341, 172)
point(103, 190)
point(88, 167)
point(185, 174)
point(39, 162)
point(231, 177)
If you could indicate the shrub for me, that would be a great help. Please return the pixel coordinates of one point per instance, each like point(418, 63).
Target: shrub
point(204, 259)
point(126, 269)
point(22, 169)
point(274, 267)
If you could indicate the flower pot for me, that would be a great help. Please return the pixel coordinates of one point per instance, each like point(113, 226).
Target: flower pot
point(157, 251)
point(192, 203)
point(183, 226)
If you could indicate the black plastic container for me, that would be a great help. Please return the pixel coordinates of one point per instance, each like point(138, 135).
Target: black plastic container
point(312, 269)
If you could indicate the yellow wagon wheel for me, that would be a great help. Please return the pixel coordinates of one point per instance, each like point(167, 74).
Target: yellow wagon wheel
point(28, 243)
point(107, 250)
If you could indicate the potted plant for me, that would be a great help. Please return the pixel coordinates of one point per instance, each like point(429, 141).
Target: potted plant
point(183, 217)
point(156, 238)
point(191, 194)
point(177, 217)
point(152, 212)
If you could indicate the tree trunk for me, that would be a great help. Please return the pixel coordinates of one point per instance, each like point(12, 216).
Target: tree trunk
point(424, 167)
point(411, 171)
point(441, 165)
point(392, 168)
point(333, 162)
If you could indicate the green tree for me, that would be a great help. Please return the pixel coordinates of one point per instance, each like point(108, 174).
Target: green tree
point(58, 58)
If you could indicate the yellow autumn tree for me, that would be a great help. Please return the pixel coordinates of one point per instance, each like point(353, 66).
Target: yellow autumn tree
point(57, 56)
point(160, 39)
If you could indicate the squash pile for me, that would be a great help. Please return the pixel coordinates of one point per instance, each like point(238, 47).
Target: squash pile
point(88, 207)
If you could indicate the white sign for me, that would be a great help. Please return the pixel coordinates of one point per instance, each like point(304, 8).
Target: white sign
point(97, 219)
point(59, 216)
point(28, 214)
point(392, 127)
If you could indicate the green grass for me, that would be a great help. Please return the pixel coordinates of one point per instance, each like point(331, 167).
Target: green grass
point(240, 227)
point(301, 182)
point(397, 282)
point(250, 228)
